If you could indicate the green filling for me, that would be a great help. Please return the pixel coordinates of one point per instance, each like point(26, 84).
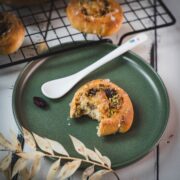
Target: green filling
point(115, 102)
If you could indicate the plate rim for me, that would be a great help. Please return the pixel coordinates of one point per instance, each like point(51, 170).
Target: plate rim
point(117, 165)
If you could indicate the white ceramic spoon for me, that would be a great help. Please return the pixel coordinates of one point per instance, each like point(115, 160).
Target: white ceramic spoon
point(57, 88)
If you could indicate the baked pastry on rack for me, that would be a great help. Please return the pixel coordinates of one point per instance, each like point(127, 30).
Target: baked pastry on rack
point(101, 17)
point(106, 102)
point(12, 33)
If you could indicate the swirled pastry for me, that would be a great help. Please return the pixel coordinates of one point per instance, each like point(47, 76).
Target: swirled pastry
point(106, 102)
point(12, 33)
point(101, 17)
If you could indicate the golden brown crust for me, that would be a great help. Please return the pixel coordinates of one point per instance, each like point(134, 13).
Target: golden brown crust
point(12, 34)
point(103, 18)
point(106, 102)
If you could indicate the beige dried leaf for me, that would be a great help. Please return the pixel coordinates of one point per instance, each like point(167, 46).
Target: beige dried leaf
point(93, 156)
point(19, 165)
point(30, 155)
point(29, 139)
point(57, 147)
point(6, 161)
point(98, 153)
point(53, 170)
point(69, 169)
point(35, 166)
point(98, 175)
point(15, 142)
point(7, 174)
point(43, 144)
point(6, 144)
point(79, 146)
point(105, 159)
point(87, 172)
point(25, 174)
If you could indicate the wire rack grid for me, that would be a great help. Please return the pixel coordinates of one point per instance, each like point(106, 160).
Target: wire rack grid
point(47, 26)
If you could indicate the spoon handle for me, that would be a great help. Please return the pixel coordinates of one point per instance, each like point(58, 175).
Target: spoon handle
point(58, 87)
point(130, 44)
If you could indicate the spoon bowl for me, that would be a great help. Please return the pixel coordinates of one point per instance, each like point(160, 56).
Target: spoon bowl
point(61, 86)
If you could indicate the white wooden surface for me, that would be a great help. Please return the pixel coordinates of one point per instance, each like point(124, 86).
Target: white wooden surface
point(168, 69)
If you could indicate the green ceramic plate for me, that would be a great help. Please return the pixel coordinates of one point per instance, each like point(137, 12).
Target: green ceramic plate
point(129, 71)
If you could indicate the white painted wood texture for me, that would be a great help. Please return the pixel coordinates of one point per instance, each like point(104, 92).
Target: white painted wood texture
point(168, 69)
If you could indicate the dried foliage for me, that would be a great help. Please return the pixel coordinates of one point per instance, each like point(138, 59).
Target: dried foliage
point(88, 172)
point(64, 166)
point(19, 165)
point(5, 163)
point(54, 170)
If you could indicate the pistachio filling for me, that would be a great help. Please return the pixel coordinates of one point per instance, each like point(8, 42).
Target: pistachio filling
point(115, 102)
point(95, 8)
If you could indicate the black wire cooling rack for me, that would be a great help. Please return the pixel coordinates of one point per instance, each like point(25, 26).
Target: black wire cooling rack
point(47, 27)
